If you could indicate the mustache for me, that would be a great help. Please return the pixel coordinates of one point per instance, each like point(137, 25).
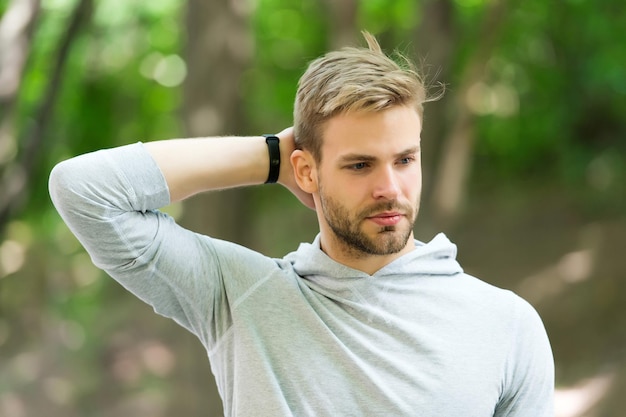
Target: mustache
point(387, 206)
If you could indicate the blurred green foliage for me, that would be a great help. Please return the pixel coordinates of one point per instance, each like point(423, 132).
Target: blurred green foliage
point(550, 105)
point(548, 112)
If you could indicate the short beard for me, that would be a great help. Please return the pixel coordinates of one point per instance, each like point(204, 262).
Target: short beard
point(348, 231)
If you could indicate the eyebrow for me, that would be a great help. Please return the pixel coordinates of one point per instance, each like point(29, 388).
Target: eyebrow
point(369, 158)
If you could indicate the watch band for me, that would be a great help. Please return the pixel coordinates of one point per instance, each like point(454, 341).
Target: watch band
point(274, 150)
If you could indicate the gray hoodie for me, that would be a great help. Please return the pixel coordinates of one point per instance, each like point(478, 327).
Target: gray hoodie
point(305, 335)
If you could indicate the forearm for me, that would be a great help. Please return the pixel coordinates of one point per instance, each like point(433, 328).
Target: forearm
point(191, 166)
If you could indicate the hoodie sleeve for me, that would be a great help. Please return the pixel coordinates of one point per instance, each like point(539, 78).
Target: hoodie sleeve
point(528, 386)
point(109, 200)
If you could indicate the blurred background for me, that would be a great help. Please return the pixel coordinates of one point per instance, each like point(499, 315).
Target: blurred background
point(524, 164)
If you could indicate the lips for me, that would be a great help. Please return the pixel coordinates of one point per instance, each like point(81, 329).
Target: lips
point(386, 218)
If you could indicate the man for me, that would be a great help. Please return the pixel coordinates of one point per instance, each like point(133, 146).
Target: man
point(366, 320)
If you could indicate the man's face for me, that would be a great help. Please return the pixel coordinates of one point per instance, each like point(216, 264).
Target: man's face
point(369, 182)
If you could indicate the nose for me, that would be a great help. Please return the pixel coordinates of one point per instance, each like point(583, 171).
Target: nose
point(387, 184)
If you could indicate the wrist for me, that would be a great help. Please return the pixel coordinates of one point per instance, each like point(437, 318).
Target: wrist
point(273, 149)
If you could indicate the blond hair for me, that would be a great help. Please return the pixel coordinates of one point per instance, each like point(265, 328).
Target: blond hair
point(352, 80)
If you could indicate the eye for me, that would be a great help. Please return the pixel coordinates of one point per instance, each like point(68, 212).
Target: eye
point(359, 166)
point(406, 160)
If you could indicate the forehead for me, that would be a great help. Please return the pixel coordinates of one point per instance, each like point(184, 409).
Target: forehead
point(377, 133)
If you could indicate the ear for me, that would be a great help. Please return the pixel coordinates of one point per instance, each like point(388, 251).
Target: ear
point(305, 170)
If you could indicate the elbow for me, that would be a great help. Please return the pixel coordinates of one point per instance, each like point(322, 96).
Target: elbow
point(57, 180)
point(60, 181)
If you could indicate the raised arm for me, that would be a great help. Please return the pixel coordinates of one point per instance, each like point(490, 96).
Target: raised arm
point(191, 166)
point(110, 201)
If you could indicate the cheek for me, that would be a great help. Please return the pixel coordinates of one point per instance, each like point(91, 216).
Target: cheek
point(412, 185)
point(356, 191)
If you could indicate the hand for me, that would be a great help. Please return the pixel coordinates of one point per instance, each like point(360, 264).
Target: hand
point(286, 176)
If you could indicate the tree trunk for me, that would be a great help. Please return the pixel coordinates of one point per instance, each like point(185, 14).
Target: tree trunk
point(16, 175)
point(219, 48)
point(16, 29)
point(454, 167)
point(435, 40)
point(342, 16)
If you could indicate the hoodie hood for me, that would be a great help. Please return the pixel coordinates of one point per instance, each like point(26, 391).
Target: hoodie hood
point(437, 257)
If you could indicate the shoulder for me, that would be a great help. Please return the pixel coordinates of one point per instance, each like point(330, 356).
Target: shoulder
point(504, 304)
point(528, 367)
point(528, 380)
point(475, 287)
